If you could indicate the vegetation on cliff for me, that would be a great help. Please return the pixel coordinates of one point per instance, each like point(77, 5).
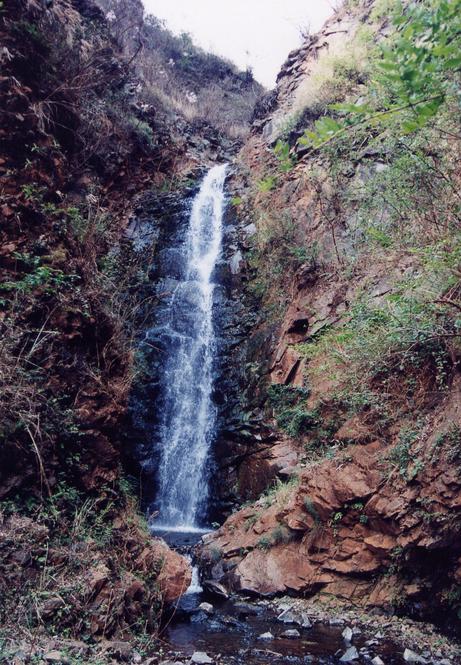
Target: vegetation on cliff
point(355, 261)
point(81, 137)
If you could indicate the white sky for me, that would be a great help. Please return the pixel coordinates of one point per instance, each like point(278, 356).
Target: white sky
point(258, 33)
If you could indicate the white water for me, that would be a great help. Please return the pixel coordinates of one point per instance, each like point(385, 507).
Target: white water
point(188, 421)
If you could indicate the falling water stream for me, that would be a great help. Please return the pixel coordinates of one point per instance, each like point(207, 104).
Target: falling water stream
point(188, 420)
point(187, 428)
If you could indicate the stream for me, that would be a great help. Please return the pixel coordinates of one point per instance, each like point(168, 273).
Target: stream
point(228, 630)
point(236, 629)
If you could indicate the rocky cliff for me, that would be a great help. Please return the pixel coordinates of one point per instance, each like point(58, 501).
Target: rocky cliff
point(351, 252)
point(82, 143)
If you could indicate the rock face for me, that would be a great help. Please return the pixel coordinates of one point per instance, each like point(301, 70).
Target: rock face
point(364, 505)
point(175, 573)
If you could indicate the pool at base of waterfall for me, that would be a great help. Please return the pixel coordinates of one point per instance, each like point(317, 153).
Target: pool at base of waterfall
point(240, 630)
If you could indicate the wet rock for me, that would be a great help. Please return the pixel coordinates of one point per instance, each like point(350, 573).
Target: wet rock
point(347, 634)
point(230, 621)
point(246, 610)
point(377, 661)
point(206, 607)
point(266, 636)
point(201, 658)
point(410, 656)
point(291, 634)
point(216, 588)
point(290, 616)
point(350, 655)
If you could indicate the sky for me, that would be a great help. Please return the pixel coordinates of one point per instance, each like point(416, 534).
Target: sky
point(255, 33)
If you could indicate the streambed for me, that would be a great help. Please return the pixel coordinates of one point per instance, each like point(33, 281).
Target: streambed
point(230, 630)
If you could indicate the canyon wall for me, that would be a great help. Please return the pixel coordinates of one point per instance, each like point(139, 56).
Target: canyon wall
point(348, 254)
point(86, 151)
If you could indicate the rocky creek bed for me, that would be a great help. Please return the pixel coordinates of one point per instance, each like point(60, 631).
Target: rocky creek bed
point(207, 625)
point(240, 630)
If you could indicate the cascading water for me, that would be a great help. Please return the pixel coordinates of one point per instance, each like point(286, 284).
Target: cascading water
point(188, 415)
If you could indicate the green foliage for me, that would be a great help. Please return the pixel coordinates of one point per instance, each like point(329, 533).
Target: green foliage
point(42, 276)
point(143, 131)
point(401, 334)
point(264, 543)
point(402, 454)
point(310, 508)
point(414, 75)
point(285, 159)
point(290, 413)
point(449, 445)
point(279, 492)
point(267, 184)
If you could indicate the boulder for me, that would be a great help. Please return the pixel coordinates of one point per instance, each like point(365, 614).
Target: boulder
point(215, 588)
point(175, 574)
point(206, 607)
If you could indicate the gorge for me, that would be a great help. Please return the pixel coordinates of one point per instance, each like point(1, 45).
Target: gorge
point(230, 387)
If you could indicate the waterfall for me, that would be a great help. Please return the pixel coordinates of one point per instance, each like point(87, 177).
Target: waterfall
point(188, 415)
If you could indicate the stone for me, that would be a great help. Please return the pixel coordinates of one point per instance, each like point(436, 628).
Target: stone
point(291, 634)
point(201, 658)
point(347, 634)
point(235, 262)
point(175, 575)
point(287, 616)
point(350, 655)
point(410, 656)
point(216, 588)
point(305, 621)
point(377, 661)
point(245, 609)
point(120, 650)
point(56, 657)
point(206, 607)
point(266, 636)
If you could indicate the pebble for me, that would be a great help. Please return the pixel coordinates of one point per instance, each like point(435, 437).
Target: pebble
point(266, 636)
point(377, 661)
point(291, 634)
point(350, 655)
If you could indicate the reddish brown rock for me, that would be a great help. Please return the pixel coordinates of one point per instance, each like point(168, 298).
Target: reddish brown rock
point(175, 572)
